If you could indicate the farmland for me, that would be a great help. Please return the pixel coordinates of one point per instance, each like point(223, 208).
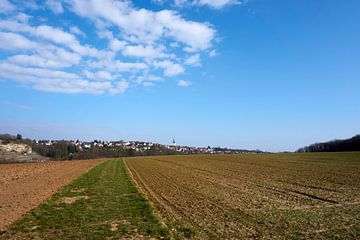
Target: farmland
point(103, 203)
point(25, 186)
point(247, 196)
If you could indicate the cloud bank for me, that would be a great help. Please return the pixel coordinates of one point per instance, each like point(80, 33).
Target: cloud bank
point(132, 45)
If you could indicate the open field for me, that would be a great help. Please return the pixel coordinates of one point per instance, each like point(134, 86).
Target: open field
point(25, 186)
point(272, 196)
point(101, 204)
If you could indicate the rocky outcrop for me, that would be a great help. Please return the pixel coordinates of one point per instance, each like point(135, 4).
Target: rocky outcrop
point(17, 148)
point(18, 153)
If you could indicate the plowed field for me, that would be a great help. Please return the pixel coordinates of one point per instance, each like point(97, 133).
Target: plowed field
point(25, 186)
point(283, 196)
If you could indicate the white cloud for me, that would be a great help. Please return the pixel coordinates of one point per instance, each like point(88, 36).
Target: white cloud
point(46, 55)
point(55, 6)
point(63, 38)
point(13, 41)
point(143, 51)
point(52, 34)
point(22, 17)
point(58, 81)
point(99, 75)
point(148, 80)
point(174, 45)
point(119, 66)
point(182, 3)
point(147, 26)
point(193, 60)
point(213, 53)
point(158, 2)
point(75, 30)
point(120, 87)
point(40, 61)
point(29, 4)
point(6, 6)
point(39, 72)
point(197, 36)
point(216, 4)
point(184, 83)
point(170, 69)
point(106, 34)
point(148, 84)
point(137, 44)
point(117, 45)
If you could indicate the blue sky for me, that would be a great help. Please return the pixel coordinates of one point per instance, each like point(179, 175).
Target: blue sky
point(256, 74)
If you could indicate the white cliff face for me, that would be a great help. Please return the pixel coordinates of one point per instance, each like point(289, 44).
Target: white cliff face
point(18, 148)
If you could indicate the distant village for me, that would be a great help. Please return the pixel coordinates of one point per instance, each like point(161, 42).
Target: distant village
point(141, 146)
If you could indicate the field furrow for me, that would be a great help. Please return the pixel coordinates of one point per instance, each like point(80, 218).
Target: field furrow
point(254, 196)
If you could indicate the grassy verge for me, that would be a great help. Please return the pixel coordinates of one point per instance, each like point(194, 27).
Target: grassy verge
point(101, 204)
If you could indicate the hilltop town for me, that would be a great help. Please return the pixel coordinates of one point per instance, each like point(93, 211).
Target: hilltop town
point(143, 146)
point(11, 146)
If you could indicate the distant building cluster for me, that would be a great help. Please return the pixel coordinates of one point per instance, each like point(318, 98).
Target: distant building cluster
point(141, 146)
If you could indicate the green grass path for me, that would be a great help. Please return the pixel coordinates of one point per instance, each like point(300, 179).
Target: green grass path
point(101, 204)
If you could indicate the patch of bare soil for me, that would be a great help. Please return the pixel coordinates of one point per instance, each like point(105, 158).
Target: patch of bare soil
point(77, 190)
point(24, 186)
point(71, 200)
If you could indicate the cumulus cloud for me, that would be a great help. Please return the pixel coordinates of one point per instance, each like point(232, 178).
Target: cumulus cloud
point(6, 6)
point(216, 4)
point(197, 36)
point(46, 55)
point(117, 45)
point(13, 41)
point(22, 17)
point(118, 66)
point(133, 46)
point(184, 83)
point(52, 34)
point(143, 51)
point(147, 26)
point(55, 6)
point(148, 84)
point(119, 88)
point(75, 30)
point(53, 61)
point(57, 81)
point(148, 80)
point(193, 60)
point(170, 68)
point(213, 53)
point(98, 75)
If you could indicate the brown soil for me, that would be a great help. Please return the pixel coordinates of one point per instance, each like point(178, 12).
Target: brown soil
point(251, 196)
point(25, 186)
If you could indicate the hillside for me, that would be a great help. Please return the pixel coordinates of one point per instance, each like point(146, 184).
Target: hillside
point(18, 153)
point(351, 144)
point(16, 150)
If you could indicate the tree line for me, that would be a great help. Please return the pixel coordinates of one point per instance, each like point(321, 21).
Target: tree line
point(64, 150)
point(352, 144)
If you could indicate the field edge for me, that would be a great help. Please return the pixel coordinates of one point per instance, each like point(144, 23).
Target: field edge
point(91, 215)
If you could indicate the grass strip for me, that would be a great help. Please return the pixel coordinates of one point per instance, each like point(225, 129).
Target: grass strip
point(101, 204)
